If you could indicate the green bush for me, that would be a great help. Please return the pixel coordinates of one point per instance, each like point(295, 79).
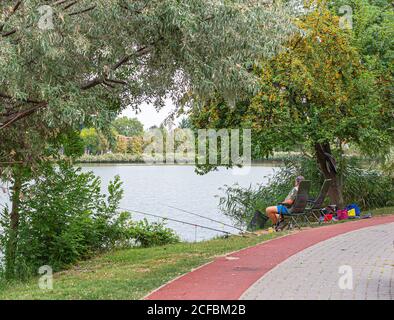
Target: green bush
point(152, 234)
point(370, 189)
point(64, 218)
point(366, 187)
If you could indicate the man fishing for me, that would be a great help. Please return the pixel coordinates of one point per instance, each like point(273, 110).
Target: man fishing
point(276, 213)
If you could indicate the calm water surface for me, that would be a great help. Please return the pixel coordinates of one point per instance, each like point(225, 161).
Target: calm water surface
point(153, 188)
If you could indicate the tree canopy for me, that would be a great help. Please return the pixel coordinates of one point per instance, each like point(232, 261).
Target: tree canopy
point(67, 63)
point(128, 127)
point(316, 94)
point(373, 36)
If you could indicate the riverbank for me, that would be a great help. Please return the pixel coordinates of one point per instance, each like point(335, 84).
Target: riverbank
point(124, 158)
point(133, 273)
point(277, 159)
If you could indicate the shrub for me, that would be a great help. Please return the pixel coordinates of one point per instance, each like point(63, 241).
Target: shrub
point(370, 189)
point(64, 218)
point(152, 234)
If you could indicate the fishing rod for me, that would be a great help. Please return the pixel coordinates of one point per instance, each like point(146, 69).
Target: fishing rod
point(180, 221)
point(204, 217)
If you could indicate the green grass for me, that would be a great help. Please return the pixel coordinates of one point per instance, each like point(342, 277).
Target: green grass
point(133, 273)
point(129, 274)
point(382, 211)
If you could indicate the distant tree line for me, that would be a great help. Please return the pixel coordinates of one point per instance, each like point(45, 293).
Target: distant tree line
point(125, 135)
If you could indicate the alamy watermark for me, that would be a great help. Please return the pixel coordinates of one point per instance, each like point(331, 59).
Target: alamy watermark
point(45, 281)
point(46, 20)
point(345, 282)
point(201, 147)
point(346, 19)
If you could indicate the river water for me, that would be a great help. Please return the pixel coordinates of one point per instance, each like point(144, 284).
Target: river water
point(152, 189)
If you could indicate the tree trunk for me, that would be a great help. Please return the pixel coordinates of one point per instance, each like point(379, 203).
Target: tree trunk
point(324, 158)
point(14, 226)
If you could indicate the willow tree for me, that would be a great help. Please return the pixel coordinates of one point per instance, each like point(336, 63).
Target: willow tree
point(317, 94)
point(66, 63)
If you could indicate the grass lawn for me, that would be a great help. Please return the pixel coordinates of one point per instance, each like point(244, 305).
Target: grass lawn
point(133, 273)
point(129, 274)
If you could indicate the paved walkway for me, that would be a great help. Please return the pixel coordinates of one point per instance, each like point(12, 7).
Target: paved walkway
point(366, 257)
point(230, 277)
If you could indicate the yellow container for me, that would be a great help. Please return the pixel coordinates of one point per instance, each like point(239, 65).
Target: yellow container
point(352, 213)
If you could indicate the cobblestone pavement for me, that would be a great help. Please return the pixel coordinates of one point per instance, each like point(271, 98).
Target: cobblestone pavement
point(314, 273)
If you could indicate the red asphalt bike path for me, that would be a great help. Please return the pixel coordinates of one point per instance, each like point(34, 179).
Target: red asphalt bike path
point(228, 277)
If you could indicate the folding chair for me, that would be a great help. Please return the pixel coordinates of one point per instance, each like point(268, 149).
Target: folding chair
point(316, 205)
point(298, 208)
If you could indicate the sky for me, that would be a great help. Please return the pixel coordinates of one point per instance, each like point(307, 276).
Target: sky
point(149, 116)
